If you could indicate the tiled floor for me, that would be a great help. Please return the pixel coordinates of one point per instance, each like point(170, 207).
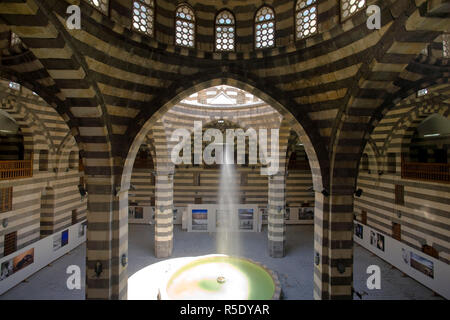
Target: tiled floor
point(295, 270)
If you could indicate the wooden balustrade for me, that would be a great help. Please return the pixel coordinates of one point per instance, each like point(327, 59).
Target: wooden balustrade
point(437, 172)
point(16, 169)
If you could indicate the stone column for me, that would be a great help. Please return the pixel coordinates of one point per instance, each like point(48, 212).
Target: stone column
point(333, 246)
point(47, 211)
point(321, 265)
point(277, 195)
point(107, 239)
point(164, 213)
point(276, 223)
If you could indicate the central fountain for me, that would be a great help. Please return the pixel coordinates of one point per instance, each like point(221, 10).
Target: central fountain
point(239, 279)
point(225, 276)
point(216, 277)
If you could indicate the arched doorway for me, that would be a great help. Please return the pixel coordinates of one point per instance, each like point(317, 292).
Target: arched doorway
point(164, 244)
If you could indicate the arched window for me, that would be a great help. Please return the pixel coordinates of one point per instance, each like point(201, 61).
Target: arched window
point(14, 86)
point(144, 16)
point(185, 27)
point(14, 39)
point(351, 7)
point(305, 18)
point(101, 5)
point(225, 31)
point(265, 28)
point(446, 45)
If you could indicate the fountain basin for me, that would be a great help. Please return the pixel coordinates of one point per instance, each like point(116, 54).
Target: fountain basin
point(223, 278)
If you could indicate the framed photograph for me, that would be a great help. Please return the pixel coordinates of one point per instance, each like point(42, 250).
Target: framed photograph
point(373, 238)
point(6, 269)
point(422, 264)
point(23, 260)
point(264, 214)
point(130, 212)
point(56, 242)
point(405, 256)
point(306, 213)
point(81, 230)
point(245, 219)
point(64, 238)
point(359, 230)
point(139, 213)
point(287, 214)
point(380, 242)
point(200, 219)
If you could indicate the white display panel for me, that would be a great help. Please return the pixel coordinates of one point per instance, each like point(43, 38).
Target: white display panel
point(212, 218)
point(425, 269)
point(293, 215)
point(299, 215)
point(39, 254)
point(200, 218)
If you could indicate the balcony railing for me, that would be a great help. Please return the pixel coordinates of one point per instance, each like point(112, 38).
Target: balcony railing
point(437, 172)
point(16, 169)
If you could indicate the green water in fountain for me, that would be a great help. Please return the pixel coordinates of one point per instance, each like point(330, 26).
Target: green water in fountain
point(260, 283)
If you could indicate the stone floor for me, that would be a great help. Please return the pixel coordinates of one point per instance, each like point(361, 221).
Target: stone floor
point(295, 270)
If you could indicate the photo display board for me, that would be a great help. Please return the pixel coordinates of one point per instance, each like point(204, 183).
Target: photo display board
point(430, 272)
point(213, 218)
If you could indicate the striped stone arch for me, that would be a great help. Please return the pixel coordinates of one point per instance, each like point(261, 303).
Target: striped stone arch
point(36, 137)
point(419, 105)
point(373, 154)
point(151, 143)
point(164, 231)
point(231, 117)
point(382, 80)
point(412, 121)
point(62, 76)
point(307, 133)
point(67, 145)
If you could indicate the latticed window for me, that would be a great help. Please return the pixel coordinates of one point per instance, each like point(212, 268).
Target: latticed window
point(422, 92)
point(14, 85)
point(446, 45)
point(225, 30)
point(350, 7)
point(101, 5)
point(5, 199)
point(15, 40)
point(306, 18)
point(185, 27)
point(144, 16)
point(265, 28)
